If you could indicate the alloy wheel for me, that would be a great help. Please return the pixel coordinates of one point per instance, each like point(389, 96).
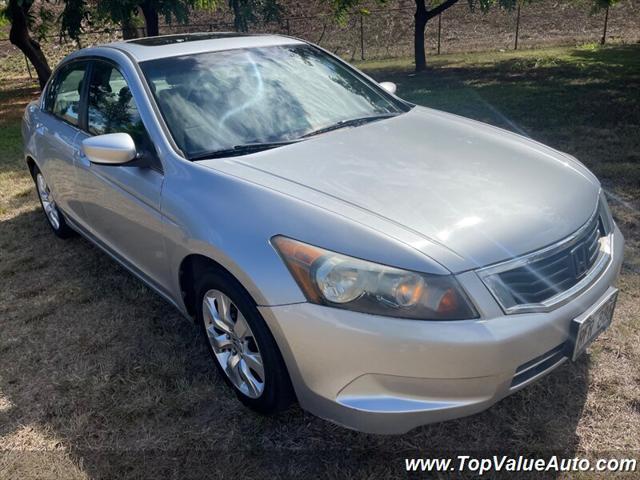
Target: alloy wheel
point(49, 205)
point(233, 343)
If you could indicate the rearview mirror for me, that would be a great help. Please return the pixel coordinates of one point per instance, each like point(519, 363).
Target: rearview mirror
point(110, 149)
point(389, 87)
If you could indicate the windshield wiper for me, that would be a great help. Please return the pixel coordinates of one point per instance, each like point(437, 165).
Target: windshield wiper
point(245, 149)
point(354, 122)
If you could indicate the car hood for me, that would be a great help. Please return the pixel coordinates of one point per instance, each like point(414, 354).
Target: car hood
point(483, 193)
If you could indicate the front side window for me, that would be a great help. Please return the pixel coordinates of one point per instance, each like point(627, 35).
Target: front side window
point(217, 101)
point(64, 95)
point(111, 107)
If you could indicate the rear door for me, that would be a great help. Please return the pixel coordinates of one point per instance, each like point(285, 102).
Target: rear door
point(57, 135)
point(122, 203)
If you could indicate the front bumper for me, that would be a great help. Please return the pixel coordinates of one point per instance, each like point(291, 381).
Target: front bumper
point(386, 375)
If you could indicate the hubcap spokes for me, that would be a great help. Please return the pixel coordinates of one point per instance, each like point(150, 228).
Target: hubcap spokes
point(233, 343)
point(49, 205)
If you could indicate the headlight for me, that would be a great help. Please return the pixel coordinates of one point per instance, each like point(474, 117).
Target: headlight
point(329, 278)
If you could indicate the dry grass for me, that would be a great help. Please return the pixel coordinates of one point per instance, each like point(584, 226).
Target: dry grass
point(99, 378)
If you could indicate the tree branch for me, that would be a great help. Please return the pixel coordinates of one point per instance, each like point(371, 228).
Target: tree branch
point(434, 12)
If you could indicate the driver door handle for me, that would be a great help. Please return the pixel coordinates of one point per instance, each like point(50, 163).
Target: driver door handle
point(80, 157)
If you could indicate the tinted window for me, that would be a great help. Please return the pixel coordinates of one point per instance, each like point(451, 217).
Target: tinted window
point(111, 107)
point(219, 100)
point(64, 95)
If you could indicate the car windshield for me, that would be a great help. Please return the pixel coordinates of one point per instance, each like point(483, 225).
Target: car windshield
point(221, 101)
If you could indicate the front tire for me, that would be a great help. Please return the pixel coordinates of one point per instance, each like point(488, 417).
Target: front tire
point(241, 345)
point(52, 212)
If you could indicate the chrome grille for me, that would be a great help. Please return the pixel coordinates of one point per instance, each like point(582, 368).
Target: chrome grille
point(539, 280)
point(548, 278)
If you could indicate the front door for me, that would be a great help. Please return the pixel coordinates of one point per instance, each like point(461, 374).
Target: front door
point(122, 203)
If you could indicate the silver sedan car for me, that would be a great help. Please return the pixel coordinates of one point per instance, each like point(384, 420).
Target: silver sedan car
point(384, 264)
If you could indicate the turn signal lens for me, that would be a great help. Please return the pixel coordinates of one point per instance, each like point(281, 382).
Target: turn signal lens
point(340, 281)
point(299, 258)
point(448, 302)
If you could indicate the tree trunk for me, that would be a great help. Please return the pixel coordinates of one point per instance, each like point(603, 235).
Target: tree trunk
point(129, 30)
point(151, 21)
point(421, 19)
point(19, 36)
point(239, 20)
point(606, 20)
point(422, 16)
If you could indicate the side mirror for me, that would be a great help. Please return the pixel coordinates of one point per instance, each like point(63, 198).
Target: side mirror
point(110, 149)
point(389, 87)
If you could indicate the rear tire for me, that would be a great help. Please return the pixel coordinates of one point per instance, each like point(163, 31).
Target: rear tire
point(240, 343)
point(51, 211)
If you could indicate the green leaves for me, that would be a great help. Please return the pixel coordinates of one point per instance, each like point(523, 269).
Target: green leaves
point(599, 5)
point(247, 12)
point(343, 8)
point(72, 17)
point(486, 5)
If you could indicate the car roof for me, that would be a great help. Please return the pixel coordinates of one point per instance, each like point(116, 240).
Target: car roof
point(151, 48)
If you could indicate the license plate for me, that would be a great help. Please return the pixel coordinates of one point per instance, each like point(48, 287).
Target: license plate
point(586, 328)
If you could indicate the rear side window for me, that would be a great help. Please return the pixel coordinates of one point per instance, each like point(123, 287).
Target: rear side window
point(63, 100)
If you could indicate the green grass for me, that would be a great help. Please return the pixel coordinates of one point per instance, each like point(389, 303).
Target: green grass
point(15, 185)
point(10, 131)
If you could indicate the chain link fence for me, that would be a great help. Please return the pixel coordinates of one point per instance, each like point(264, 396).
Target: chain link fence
point(388, 32)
